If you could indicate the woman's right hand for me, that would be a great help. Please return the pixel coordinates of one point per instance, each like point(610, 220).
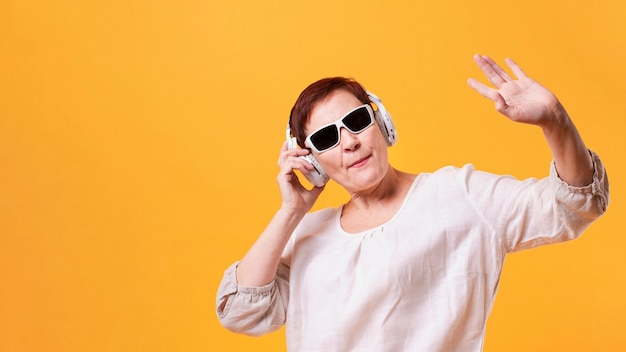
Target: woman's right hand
point(295, 197)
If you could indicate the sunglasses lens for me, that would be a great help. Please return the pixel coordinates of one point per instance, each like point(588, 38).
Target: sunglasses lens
point(325, 138)
point(358, 120)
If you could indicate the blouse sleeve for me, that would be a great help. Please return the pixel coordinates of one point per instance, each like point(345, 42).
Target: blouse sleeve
point(572, 208)
point(253, 311)
point(531, 213)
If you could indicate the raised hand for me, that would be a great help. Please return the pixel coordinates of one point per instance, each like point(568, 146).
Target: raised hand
point(521, 99)
point(524, 100)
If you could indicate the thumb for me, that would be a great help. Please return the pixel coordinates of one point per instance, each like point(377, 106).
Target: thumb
point(316, 191)
point(501, 105)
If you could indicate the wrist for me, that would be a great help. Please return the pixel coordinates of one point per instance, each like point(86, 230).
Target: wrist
point(290, 213)
point(558, 121)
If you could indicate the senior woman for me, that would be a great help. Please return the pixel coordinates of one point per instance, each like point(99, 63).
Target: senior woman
point(412, 261)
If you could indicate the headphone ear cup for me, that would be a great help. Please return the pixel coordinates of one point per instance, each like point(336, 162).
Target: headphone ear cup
point(317, 176)
point(380, 121)
point(383, 119)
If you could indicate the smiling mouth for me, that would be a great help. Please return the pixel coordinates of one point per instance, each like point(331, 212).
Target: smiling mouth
point(360, 162)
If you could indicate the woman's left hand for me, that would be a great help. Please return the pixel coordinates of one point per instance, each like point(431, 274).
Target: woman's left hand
point(522, 99)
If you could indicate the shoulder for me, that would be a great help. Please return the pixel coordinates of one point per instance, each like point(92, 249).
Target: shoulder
point(450, 170)
point(319, 217)
point(449, 174)
point(454, 181)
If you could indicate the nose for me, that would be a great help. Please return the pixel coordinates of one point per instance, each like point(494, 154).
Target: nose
point(349, 141)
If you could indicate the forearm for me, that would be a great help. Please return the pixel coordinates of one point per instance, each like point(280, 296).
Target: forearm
point(258, 267)
point(571, 156)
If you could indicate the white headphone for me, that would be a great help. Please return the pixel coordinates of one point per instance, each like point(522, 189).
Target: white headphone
point(318, 176)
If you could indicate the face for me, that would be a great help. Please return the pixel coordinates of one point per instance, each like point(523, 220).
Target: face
point(360, 161)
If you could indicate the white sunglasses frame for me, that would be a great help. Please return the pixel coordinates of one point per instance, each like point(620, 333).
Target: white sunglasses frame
point(339, 124)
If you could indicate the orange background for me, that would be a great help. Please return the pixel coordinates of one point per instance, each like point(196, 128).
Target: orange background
point(139, 139)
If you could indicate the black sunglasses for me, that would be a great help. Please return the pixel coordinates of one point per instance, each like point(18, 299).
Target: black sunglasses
point(328, 137)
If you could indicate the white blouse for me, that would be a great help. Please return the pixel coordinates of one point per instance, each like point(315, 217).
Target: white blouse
point(423, 281)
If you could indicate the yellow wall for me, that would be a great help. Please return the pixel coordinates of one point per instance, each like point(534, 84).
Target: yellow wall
point(139, 139)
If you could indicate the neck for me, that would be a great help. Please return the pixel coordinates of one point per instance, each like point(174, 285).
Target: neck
point(391, 188)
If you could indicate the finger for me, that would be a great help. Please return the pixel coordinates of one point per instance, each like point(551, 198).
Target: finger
point(517, 71)
point(482, 89)
point(287, 153)
point(490, 72)
point(296, 163)
point(491, 94)
point(497, 68)
point(283, 149)
point(296, 151)
point(315, 191)
point(501, 104)
point(288, 164)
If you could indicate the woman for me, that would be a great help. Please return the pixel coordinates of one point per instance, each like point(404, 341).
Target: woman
point(410, 262)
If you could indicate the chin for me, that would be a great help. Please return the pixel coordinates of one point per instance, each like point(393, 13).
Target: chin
point(363, 183)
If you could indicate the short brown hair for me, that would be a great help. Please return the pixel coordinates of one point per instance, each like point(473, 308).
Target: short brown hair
point(316, 92)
